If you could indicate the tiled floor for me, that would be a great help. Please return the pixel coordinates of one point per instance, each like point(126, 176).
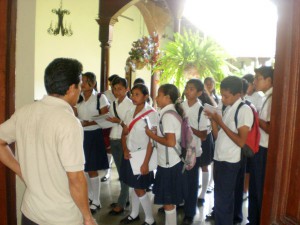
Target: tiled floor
point(110, 192)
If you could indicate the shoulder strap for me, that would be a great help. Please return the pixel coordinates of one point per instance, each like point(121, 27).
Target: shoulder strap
point(265, 102)
point(236, 113)
point(199, 114)
point(115, 110)
point(98, 101)
point(138, 118)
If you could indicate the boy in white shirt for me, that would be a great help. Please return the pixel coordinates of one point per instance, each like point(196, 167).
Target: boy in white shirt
point(118, 109)
point(253, 96)
point(263, 82)
point(229, 140)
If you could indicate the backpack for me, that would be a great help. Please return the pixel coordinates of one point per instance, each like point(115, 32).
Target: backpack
point(188, 146)
point(252, 143)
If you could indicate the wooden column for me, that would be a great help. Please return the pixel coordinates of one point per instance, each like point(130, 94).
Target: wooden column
point(7, 93)
point(176, 9)
point(281, 199)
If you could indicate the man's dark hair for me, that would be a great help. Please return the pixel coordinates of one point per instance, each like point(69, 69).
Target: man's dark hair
point(112, 77)
point(60, 74)
point(249, 77)
point(265, 71)
point(121, 81)
point(245, 86)
point(233, 84)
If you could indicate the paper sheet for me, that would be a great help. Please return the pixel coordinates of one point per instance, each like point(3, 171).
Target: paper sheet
point(102, 122)
point(137, 159)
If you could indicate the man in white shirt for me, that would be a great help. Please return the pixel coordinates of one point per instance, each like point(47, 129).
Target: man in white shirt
point(229, 140)
point(50, 160)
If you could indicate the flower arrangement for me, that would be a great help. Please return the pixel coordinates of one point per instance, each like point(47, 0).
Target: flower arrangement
point(144, 51)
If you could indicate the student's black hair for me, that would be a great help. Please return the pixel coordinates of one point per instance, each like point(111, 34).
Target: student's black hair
point(112, 77)
point(173, 92)
point(139, 81)
point(233, 84)
point(60, 74)
point(249, 77)
point(91, 79)
point(143, 88)
point(120, 80)
point(197, 84)
point(265, 71)
point(204, 98)
point(245, 86)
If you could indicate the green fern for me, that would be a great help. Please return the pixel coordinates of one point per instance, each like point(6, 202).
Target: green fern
point(191, 50)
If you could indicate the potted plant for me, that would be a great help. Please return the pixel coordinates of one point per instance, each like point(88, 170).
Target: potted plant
point(191, 53)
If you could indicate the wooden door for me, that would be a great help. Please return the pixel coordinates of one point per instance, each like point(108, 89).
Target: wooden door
point(7, 92)
point(281, 203)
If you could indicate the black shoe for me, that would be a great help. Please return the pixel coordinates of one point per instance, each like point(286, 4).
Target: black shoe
point(145, 223)
point(201, 201)
point(94, 208)
point(104, 179)
point(149, 189)
point(210, 216)
point(209, 190)
point(237, 221)
point(187, 220)
point(129, 220)
point(179, 207)
point(115, 213)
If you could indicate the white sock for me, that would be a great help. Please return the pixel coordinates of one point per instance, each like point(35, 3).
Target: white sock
point(88, 181)
point(211, 180)
point(200, 181)
point(95, 183)
point(135, 205)
point(109, 157)
point(205, 177)
point(146, 204)
point(171, 217)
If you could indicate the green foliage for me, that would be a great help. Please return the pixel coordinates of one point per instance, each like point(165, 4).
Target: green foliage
point(190, 50)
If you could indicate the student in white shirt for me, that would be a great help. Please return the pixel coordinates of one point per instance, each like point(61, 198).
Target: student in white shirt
point(111, 98)
point(253, 96)
point(168, 185)
point(229, 140)
point(119, 109)
point(93, 144)
point(263, 82)
point(135, 139)
point(192, 106)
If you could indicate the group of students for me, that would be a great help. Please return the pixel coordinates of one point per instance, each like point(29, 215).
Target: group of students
point(55, 145)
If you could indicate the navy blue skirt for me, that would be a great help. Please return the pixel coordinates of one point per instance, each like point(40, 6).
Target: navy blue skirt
point(94, 151)
point(169, 185)
point(207, 151)
point(135, 181)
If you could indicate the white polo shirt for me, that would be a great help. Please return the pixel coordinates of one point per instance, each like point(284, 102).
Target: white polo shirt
point(49, 141)
point(225, 149)
point(110, 96)
point(137, 137)
point(122, 109)
point(256, 99)
point(170, 125)
point(87, 109)
point(204, 123)
point(265, 114)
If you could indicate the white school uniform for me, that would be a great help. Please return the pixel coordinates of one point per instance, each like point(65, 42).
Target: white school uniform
point(256, 99)
point(87, 109)
point(137, 138)
point(122, 109)
point(265, 114)
point(172, 125)
point(225, 149)
point(110, 96)
point(192, 113)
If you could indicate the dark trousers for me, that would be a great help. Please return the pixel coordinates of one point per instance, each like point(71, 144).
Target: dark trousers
point(117, 153)
point(239, 191)
point(225, 174)
point(256, 185)
point(191, 191)
point(26, 221)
